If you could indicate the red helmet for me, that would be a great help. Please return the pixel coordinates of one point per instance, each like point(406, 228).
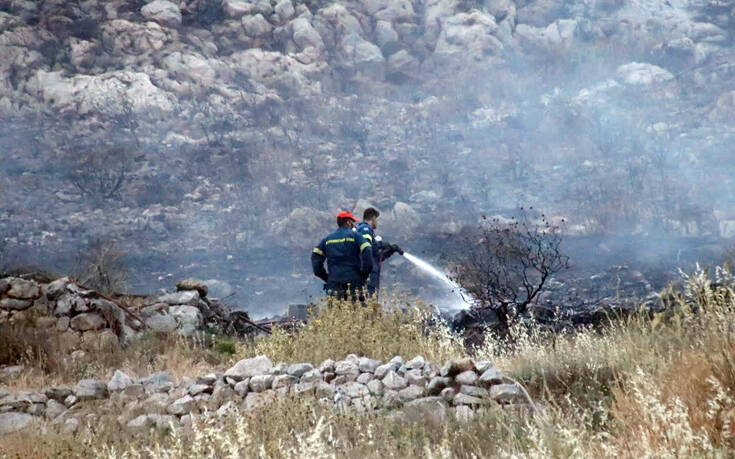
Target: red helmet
point(346, 214)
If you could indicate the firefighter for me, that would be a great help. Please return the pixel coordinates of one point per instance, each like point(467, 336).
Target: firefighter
point(349, 259)
point(381, 250)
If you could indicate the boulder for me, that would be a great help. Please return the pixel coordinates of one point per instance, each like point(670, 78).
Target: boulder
point(375, 387)
point(188, 318)
point(457, 366)
point(22, 289)
point(464, 399)
point(238, 8)
point(383, 370)
point(353, 390)
point(193, 284)
point(365, 378)
point(186, 297)
point(361, 55)
point(285, 10)
point(247, 368)
point(119, 381)
point(466, 377)
point(181, 406)
point(643, 74)
point(163, 12)
point(90, 389)
point(261, 383)
point(437, 384)
point(54, 409)
point(411, 392)
point(13, 422)
point(158, 382)
point(506, 393)
point(256, 26)
point(368, 365)
point(56, 288)
point(15, 304)
point(299, 369)
point(490, 377)
point(242, 388)
point(474, 391)
point(311, 376)
point(305, 35)
point(87, 321)
point(393, 381)
point(161, 323)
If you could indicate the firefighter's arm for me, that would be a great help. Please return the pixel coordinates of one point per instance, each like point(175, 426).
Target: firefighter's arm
point(318, 256)
point(366, 255)
point(389, 250)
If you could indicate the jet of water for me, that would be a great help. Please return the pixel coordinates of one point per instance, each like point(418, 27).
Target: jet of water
point(462, 295)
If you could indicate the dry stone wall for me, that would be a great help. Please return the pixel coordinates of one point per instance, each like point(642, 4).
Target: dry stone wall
point(77, 318)
point(415, 388)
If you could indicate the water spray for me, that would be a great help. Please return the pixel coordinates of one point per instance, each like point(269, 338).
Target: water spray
point(463, 297)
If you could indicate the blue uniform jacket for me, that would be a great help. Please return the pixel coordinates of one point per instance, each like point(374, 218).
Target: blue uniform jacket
point(368, 233)
point(349, 258)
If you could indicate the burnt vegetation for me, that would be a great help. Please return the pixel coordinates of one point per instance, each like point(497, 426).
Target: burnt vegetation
point(507, 264)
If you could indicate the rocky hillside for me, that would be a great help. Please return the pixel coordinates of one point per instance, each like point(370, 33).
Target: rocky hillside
point(214, 136)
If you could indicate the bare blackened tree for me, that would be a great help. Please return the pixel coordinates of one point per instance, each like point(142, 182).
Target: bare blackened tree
point(100, 173)
point(510, 263)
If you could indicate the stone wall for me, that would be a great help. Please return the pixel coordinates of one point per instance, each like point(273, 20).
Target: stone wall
point(415, 387)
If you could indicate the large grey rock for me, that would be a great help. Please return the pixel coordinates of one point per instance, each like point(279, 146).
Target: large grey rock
point(305, 35)
point(56, 288)
point(181, 406)
point(256, 26)
point(161, 323)
point(242, 387)
point(411, 392)
point(285, 10)
point(193, 284)
point(299, 369)
point(415, 377)
point(365, 378)
point(158, 382)
point(238, 8)
point(88, 321)
point(466, 377)
point(188, 318)
point(247, 368)
point(163, 12)
point(54, 409)
point(368, 365)
point(506, 393)
point(464, 399)
point(474, 391)
point(483, 365)
point(353, 390)
point(490, 377)
point(14, 421)
point(394, 381)
point(90, 389)
point(311, 376)
point(457, 366)
point(22, 289)
point(643, 74)
point(197, 389)
point(363, 55)
point(383, 370)
point(119, 381)
point(375, 387)
point(327, 366)
point(348, 369)
point(261, 383)
point(416, 363)
point(15, 304)
point(437, 384)
point(186, 297)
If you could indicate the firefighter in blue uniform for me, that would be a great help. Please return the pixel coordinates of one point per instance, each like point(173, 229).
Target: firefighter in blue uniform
point(381, 250)
point(349, 259)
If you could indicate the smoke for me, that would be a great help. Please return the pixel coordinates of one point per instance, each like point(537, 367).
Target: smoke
point(240, 188)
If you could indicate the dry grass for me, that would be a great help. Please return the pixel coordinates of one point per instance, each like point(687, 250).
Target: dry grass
point(341, 328)
point(46, 365)
point(640, 387)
